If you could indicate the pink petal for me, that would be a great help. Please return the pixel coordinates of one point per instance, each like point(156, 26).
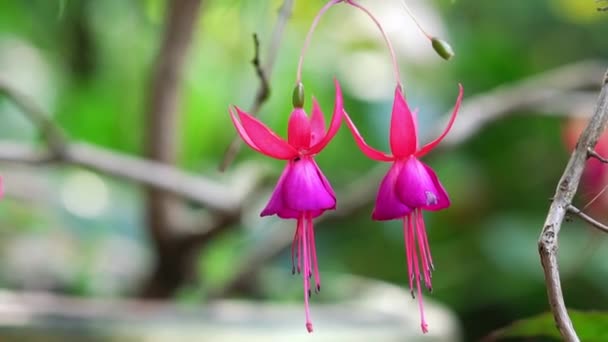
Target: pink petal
point(336, 120)
point(403, 135)
point(418, 187)
point(428, 147)
point(241, 131)
point(326, 184)
point(298, 129)
point(443, 200)
point(388, 206)
point(266, 141)
point(276, 204)
point(304, 188)
point(369, 151)
point(317, 123)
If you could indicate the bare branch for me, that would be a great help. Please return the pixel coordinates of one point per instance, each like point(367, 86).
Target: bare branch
point(264, 73)
point(194, 187)
point(530, 93)
point(594, 223)
point(54, 136)
point(566, 189)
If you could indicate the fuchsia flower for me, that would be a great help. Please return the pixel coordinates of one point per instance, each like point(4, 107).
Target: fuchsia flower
point(409, 187)
point(302, 192)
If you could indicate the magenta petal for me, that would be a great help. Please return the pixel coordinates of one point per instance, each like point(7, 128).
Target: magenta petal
point(367, 150)
point(263, 137)
point(388, 206)
point(304, 188)
point(336, 120)
point(418, 187)
point(317, 123)
point(443, 200)
point(428, 147)
point(298, 129)
point(276, 204)
point(403, 135)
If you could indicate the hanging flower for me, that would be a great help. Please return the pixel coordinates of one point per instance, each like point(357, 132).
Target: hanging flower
point(409, 187)
point(302, 192)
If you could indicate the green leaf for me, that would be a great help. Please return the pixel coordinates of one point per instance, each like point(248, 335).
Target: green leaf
point(591, 326)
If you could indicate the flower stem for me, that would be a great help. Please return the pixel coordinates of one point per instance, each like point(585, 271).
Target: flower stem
point(411, 15)
point(315, 22)
point(384, 35)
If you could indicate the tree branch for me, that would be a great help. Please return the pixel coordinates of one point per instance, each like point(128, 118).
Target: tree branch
point(566, 189)
point(264, 73)
point(535, 92)
point(593, 222)
point(162, 118)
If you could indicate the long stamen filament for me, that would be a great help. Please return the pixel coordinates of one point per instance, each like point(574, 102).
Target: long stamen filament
point(315, 22)
point(305, 262)
point(311, 233)
point(384, 35)
point(411, 15)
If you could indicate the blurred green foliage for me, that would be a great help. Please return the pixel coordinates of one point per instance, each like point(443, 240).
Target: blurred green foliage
point(96, 58)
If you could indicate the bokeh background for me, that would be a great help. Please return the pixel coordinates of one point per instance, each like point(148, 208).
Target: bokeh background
point(88, 65)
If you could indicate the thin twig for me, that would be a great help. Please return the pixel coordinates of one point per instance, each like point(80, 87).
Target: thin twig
point(52, 134)
point(264, 73)
point(533, 92)
point(566, 189)
point(594, 223)
point(592, 153)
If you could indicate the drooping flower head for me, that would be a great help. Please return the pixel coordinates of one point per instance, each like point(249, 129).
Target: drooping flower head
point(302, 192)
point(409, 187)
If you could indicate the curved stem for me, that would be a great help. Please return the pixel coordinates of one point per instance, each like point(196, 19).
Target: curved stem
point(411, 14)
point(384, 35)
point(315, 22)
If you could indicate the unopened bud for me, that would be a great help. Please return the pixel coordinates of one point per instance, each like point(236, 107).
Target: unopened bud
point(442, 48)
point(298, 96)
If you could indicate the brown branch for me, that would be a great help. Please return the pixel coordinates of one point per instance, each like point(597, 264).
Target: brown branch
point(593, 222)
point(535, 92)
point(162, 118)
point(566, 189)
point(264, 73)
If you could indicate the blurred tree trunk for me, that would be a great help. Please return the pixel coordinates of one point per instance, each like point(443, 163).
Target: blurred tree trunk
point(162, 118)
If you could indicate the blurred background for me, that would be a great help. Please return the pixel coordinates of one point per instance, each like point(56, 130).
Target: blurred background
point(113, 84)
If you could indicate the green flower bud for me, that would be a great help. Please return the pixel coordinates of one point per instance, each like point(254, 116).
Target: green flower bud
point(298, 96)
point(442, 48)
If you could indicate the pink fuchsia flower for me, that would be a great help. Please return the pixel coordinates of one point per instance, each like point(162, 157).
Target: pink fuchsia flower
point(409, 187)
point(302, 192)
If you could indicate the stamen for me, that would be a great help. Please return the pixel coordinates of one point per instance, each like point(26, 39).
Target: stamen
point(299, 255)
point(311, 233)
point(426, 270)
point(315, 22)
point(423, 324)
point(305, 278)
point(425, 240)
point(408, 250)
point(384, 35)
point(293, 245)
